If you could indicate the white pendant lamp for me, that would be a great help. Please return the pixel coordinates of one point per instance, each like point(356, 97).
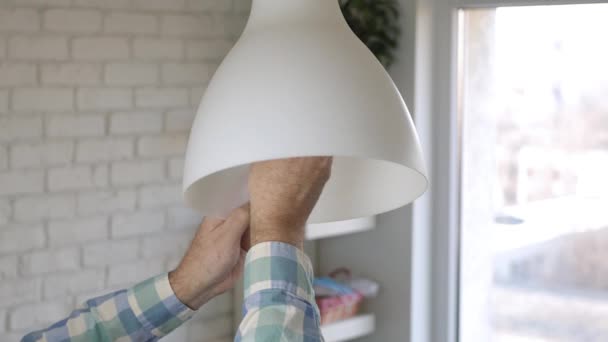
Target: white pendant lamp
point(300, 83)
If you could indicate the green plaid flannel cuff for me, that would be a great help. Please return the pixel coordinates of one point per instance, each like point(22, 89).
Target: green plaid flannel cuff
point(278, 265)
point(156, 307)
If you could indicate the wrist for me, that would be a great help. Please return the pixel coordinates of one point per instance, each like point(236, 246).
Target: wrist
point(191, 294)
point(292, 237)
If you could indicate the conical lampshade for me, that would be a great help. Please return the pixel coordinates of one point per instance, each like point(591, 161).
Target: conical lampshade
point(300, 83)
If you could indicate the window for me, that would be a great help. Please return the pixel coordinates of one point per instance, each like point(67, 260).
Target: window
point(533, 108)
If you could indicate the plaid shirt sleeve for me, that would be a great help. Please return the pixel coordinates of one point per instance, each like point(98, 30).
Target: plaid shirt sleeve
point(145, 312)
point(279, 297)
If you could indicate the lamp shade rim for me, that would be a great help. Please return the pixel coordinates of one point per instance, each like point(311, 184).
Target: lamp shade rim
point(375, 186)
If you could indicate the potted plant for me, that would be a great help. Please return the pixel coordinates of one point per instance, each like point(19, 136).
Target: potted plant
point(376, 23)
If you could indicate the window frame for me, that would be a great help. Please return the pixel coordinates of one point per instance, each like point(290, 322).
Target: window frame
point(436, 216)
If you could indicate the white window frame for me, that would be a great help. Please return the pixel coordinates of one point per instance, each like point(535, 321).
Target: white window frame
point(436, 217)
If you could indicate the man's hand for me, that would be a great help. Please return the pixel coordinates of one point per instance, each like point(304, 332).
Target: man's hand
point(282, 195)
point(214, 261)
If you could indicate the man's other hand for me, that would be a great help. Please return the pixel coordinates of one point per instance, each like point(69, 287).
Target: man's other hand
point(214, 261)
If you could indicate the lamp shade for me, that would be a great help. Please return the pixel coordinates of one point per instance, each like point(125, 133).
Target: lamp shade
point(299, 83)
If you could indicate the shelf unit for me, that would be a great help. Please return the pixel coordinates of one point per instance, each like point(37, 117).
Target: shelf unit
point(349, 329)
point(332, 229)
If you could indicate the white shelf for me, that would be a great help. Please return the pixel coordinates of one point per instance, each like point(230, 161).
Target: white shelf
point(326, 230)
point(349, 329)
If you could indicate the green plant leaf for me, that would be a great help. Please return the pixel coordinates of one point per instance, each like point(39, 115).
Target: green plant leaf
point(376, 23)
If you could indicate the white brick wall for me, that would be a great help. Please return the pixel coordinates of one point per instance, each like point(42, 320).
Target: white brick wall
point(100, 150)
point(15, 74)
point(136, 122)
point(8, 267)
point(157, 48)
point(71, 178)
point(39, 154)
point(140, 223)
point(100, 48)
point(36, 314)
point(131, 74)
point(138, 172)
point(130, 23)
point(15, 128)
point(75, 126)
point(108, 253)
point(73, 283)
point(104, 98)
point(96, 101)
point(3, 158)
point(160, 196)
point(128, 273)
point(44, 207)
point(161, 97)
point(185, 74)
point(187, 25)
point(19, 291)
point(20, 238)
point(38, 48)
point(179, 120)
point(161, 146)
point(68, 74)
point(57, 260)
point(21, 182)
point(47, 99)
point(3, 93)
point(77, 231)
point(106, 202)
point(176, 168)
point(19, 20)
point(72, 20)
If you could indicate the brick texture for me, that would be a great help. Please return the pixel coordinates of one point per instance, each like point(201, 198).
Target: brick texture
point(19, 20)
point(131, 74)
point(38, 48)
point(3, 158)
point(129, 123)
point(97, 98)
point(46, 99)
point(104, 150)
point(77, 231)
point(72, 20)
point(8, 267)
point(100, 48)
point(140, 223)
point(40, 154)
point(158, 49)
point(137, 172)
point(71, 74)
point(76, 126)
point(20, 128)
point(61, 285)
point(21, 238)
point(42, 207)
point(37, 314)
point(14, 74)
point(104, 98)
point(21, 182)
point(50, 261)
point(130, 23)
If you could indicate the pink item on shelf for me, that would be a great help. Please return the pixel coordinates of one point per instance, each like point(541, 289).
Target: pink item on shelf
point(336, 301)
point(338, 308)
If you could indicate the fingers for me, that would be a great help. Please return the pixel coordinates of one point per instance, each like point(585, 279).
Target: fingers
point(237, 223)
point(211, 222)
point(246, 240)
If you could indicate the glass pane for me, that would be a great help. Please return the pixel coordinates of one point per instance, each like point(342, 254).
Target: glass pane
point(533, 102)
